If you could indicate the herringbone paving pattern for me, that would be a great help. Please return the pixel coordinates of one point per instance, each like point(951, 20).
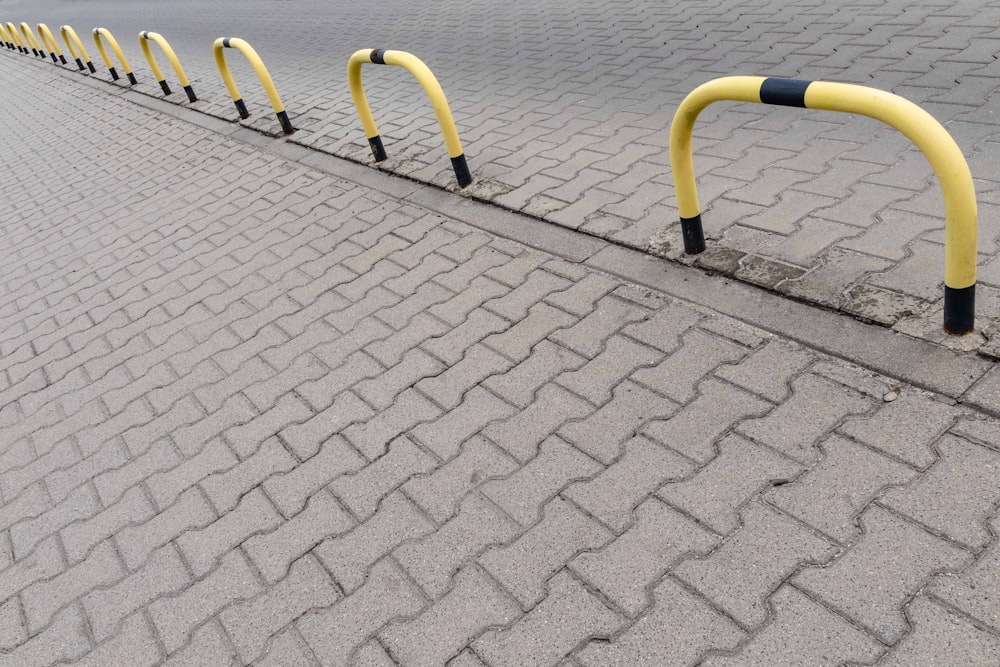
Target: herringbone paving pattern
point(255, 413)
point(564, 110)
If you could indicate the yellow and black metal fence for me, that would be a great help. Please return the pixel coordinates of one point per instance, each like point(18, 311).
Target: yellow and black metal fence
point(927, 134)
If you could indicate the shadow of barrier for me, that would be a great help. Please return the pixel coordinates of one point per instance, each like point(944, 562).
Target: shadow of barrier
point(29, 39)
point(431, 87)
point(106, 34)
point(262, 74)
point(76, 48)
point(144, 38)
point(917, 125)
point(49, 40)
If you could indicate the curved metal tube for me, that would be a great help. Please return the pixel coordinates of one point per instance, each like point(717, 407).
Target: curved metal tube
point(431, 87)
point(50, 43)
point(917, 125)
point(262, 74)
point(76, 48)
point(144, 38)
point(106, 34)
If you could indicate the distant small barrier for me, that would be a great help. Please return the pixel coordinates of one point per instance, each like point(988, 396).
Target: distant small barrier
point(7, 41)
point(144, 38)
point(262, 74)
point(430, 84)
point(12, 31)
point(927, 134)
point(76, 48)
point(50, 43)
point(29, 38)
point(106, 34)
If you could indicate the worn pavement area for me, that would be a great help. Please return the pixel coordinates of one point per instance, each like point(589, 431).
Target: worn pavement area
point(260, 404)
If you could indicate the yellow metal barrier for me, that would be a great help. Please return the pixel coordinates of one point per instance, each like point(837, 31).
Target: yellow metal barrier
point(917, 125)
point(29, 38)
point(103, 32)
point(12, 31)
point(8, 42)
point(262, 74)
point(144, 38)
point(426, 78)
point(76, 48)
point(50, 43)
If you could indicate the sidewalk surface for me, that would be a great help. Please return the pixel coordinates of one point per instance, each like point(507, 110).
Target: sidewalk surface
point(262, 405)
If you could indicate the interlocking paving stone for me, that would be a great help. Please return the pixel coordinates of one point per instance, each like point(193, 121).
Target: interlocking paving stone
point(813, 410)
point(624, 570)
point(714, 494)
point(956, 496)
point(526, 563)
point(830, 495)
point(753, 561)
point(906, 428)
point(335, 633)
point(941, 636)
point(695, 627)
point(542, 636)
point(872, 581)
point(803, 632)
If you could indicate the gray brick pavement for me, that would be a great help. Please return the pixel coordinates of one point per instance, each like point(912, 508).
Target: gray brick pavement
point(234, 439)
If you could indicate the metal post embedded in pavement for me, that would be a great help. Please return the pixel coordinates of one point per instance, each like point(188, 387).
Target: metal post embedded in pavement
point(18, 42)
point(106, 34)
point(76, 48)
point(29, 38)
point(7, 41)
point(941, 151)
point(430, 84)
point(262, 74)
point(144, 38)
point(50, 43)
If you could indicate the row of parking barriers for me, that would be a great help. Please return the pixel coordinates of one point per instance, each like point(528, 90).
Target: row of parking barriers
point(409, 62)
point(920, 127)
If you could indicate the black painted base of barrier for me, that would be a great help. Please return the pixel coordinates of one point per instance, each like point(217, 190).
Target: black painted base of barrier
point(164, 87)
point(34, 51)
point(286, 125)
point(62, 59)
point(694, 235)
point(90, 66)
point(79, 63)
point(190, 93)
point(378, 150)
point(54, 59)
point(114, 73)
point(131, 79)
point(959, 309)
point(242, 108)
point(462, 172)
